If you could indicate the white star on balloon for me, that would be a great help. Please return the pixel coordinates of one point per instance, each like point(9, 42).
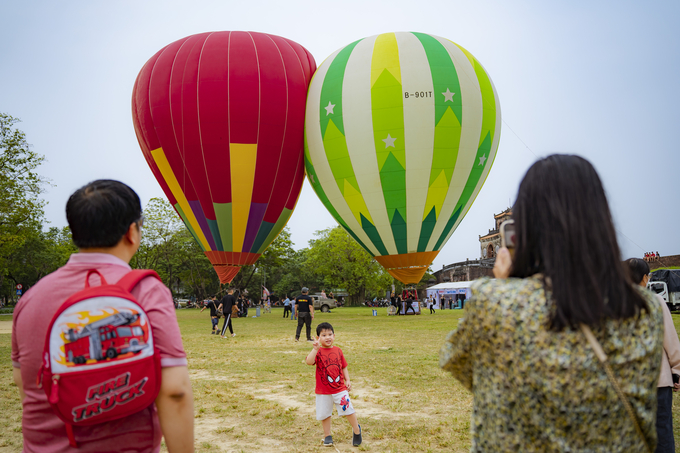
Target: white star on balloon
point(448, 96)
point(389, 141)
point(482, 159)
point(329, 108)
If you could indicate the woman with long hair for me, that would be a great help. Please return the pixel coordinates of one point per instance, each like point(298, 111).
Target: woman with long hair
point(532, 342)
point(670, 364)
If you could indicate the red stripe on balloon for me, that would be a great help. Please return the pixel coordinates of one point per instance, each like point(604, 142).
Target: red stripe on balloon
point(161, 102)
point(184, 110)
point(273, 108)
point(244, 89)
point(144, 127)
point(296, 186)
point(297, 76)
point(214, 119)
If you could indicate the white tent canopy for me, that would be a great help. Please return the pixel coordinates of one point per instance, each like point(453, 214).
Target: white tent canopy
point(450, 285)
point(449, 290)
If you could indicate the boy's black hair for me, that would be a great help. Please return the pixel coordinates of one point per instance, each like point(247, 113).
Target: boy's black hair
point(324, 326)
point(101, 212)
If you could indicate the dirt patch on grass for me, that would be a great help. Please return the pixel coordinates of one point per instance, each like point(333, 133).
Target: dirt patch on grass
point(203, 375)
point(5, 326)
point(285, 397)
point(364, 399)
point(227, 434)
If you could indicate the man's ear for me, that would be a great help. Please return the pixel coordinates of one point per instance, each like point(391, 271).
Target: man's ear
point(132, 235)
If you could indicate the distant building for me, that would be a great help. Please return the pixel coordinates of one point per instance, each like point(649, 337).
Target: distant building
point(491, 242)
point(483, 266)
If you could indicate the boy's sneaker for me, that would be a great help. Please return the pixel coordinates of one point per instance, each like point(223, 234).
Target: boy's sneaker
point(356, 438)
point(328, 441)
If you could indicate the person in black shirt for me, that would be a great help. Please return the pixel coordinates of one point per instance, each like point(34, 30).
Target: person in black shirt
point(305, 311)
point(226, 304)
point(212, 305)
point(409, 305)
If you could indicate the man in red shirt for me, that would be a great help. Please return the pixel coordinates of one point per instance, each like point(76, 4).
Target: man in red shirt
point(105, 218)
point(332, 383)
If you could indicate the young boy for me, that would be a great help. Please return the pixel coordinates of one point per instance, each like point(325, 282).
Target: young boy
point(212, 305)
point(332, 383)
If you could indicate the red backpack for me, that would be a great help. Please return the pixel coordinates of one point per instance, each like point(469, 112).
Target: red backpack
point(99, 361)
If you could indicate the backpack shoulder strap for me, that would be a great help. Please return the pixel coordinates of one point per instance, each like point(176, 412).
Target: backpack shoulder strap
point(132, 278)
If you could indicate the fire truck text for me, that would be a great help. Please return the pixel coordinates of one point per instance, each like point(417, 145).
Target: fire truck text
point(120, 395)
point(108, 386)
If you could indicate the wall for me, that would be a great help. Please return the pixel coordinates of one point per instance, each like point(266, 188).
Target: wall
point(665, 261)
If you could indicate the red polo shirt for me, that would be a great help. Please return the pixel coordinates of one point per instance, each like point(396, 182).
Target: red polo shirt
point(43, 431)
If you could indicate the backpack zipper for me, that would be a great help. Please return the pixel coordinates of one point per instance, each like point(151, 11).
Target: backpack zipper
point(54, 392)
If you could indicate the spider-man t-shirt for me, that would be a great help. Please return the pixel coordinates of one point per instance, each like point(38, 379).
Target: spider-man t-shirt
point(329, 365)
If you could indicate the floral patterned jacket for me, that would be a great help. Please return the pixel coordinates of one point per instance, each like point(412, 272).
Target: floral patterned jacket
point(537, 390)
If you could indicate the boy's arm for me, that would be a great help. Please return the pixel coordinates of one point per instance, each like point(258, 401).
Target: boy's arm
point(311, 357)
point(348, 384)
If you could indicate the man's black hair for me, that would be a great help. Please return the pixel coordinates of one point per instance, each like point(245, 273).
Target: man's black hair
point(101, 212)
point(324, 326)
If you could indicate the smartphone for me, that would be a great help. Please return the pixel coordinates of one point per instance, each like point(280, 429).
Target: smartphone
point(507, 231)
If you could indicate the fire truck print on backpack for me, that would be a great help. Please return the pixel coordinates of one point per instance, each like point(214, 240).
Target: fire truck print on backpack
point(99, 361)
point(94, 331)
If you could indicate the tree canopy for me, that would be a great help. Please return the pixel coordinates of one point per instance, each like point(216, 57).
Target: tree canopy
point(342, 263)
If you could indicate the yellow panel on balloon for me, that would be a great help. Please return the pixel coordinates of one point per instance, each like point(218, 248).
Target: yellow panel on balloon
point(242, 158)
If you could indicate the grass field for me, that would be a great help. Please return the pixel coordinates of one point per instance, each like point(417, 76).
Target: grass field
point(253, 393)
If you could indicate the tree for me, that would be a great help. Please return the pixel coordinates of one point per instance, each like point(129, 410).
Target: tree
point(194, 273)
point(342, 263)
point(169, 249)
point(21, 209)
point(41, 253)
point(294, 273)
point(272, 265)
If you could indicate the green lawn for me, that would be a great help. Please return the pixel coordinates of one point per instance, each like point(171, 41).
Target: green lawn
point(253, 393)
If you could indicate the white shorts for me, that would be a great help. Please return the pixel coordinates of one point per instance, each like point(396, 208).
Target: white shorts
point(324, 405)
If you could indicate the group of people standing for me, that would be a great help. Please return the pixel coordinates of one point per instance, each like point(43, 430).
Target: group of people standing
point(229, 306)
point(408, 297)
point(300, 308)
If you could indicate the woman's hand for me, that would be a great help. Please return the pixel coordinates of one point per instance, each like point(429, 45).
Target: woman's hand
point(503, 265)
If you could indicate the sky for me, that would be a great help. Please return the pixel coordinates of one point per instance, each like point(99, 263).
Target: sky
point(597, 79)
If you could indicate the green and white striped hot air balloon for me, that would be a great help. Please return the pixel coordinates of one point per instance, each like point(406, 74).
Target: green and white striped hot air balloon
point(401, 131)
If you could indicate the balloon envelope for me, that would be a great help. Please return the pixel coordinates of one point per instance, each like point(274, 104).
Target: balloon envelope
point(401, 131)
point(220, 117)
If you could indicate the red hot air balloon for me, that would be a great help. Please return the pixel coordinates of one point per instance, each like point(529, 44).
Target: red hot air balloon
point(220, 119)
